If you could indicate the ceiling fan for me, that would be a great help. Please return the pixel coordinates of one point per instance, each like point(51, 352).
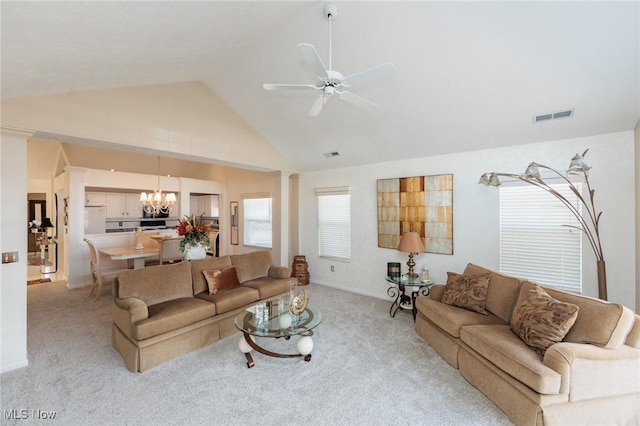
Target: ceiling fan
point(331, 81)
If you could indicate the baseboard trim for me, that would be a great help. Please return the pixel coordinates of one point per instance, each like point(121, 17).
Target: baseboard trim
point(339, 287)
point(14, 366)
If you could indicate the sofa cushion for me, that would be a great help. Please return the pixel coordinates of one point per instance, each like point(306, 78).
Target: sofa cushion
point(197, 266)
point(502, 293)
point(172, 315)
point(540, 320)
point(451, 318)
point(221, 279)
point(505, 350)
point(599, 323)
point(156, 284)
point(228, 300)
point(268, 287)
point(252, 265)
point(465, 291)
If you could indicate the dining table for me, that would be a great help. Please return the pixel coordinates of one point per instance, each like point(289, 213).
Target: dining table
point(136, 255)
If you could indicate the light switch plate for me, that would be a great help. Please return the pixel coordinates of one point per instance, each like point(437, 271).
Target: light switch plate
point(10, 257)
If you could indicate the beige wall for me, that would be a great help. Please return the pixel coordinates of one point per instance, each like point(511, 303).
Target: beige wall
point(183, 118)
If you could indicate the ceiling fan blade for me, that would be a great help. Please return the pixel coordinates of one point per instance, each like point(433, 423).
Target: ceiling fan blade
point(290, 87)
point(371, 74)
point(313, 59)
point(356, 100)
point(318, 105)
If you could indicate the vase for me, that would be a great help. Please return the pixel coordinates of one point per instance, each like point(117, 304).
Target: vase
point(195, 252)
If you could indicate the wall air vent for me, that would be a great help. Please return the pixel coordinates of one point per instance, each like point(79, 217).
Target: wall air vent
point(553, 116)
point(331, 154)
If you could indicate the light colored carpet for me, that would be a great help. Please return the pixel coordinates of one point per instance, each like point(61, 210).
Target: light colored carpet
point(367, 368)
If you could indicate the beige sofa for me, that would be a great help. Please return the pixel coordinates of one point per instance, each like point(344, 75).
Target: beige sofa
point(161, 312)
point(591, 377)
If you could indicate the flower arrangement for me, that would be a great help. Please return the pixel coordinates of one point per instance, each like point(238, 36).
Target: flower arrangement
point(194, 231)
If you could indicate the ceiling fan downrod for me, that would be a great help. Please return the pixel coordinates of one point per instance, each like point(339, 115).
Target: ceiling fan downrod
point(331, 12)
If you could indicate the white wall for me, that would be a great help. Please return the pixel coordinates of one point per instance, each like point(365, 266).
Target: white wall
point(476, 223)
point(13, 279)
point(637, 168)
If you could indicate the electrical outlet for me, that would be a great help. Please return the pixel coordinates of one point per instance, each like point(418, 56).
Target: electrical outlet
point(332, 270)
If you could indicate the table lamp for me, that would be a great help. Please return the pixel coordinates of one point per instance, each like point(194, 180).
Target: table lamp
point(46, 224)
point(410, 242)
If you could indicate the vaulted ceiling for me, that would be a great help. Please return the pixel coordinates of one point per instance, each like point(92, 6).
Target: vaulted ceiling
point(469, 75)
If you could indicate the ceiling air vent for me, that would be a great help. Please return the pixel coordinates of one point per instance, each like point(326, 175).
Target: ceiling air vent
point(331, 154)
point(553, 116)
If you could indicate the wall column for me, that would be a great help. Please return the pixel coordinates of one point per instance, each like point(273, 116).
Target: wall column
point(13, 237)
point(280, 224)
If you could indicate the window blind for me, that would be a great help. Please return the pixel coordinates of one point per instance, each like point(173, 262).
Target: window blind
point(334, 217)
point(534, 241)
point(257, 222)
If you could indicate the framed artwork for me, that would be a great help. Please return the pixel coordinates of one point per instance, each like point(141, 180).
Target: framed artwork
point(423, 204)
point(234, 223)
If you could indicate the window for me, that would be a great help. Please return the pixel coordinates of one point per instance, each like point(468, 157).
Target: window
point(257, 221)
point(534, 240)
point(334, 218)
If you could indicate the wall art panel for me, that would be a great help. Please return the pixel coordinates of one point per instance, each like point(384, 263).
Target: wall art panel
point(423, 204)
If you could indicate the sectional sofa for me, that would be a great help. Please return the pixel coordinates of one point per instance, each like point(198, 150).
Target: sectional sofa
point(591, 376)
point(162, 312)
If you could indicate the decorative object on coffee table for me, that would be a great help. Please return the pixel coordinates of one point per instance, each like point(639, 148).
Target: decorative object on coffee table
point(588, 223)
point(299, 270)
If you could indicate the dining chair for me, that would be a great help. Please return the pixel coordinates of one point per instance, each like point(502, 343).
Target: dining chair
point(170, 250)
point(100, 273)
point(213, 236)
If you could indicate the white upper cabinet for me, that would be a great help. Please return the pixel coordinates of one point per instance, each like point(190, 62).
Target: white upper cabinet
point(124, 205)
point(95, 199)
point(204, 205)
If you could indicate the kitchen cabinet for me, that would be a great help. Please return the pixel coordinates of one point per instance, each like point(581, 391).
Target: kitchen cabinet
point(204, 205)
point(95, 199)
point(124, 205)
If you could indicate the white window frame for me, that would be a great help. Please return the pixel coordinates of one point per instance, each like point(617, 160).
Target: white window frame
point(334, 223)
point(251, 223)
point(537, 238)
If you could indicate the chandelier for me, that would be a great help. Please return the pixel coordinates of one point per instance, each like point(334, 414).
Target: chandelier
point(156, 202)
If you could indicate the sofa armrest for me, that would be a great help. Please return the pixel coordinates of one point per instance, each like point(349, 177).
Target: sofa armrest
point(588, 371)
point(633, 338)
point(435, 292)
point(127, 312)
point(279, 272)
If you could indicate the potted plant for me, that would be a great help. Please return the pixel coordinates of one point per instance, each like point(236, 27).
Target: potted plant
point(195, 237)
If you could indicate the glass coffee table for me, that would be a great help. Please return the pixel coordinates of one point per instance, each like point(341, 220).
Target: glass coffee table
point(273, 319)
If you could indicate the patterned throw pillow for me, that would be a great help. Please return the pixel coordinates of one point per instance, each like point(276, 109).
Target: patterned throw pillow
point(465, 291)
point(540, 320)
point(221, 279)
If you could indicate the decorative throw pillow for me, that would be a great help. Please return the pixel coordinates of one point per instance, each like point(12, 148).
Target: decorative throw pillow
point(540, 320)
point(465, 291)
point(221, 279)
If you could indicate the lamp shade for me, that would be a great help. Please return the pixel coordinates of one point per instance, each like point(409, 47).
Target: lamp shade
point(410, 242)
point(46, 223)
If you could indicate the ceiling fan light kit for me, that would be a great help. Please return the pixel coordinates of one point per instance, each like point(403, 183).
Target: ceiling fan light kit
point(331, 81)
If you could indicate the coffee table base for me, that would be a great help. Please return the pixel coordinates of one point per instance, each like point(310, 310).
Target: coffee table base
point(253, 345)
